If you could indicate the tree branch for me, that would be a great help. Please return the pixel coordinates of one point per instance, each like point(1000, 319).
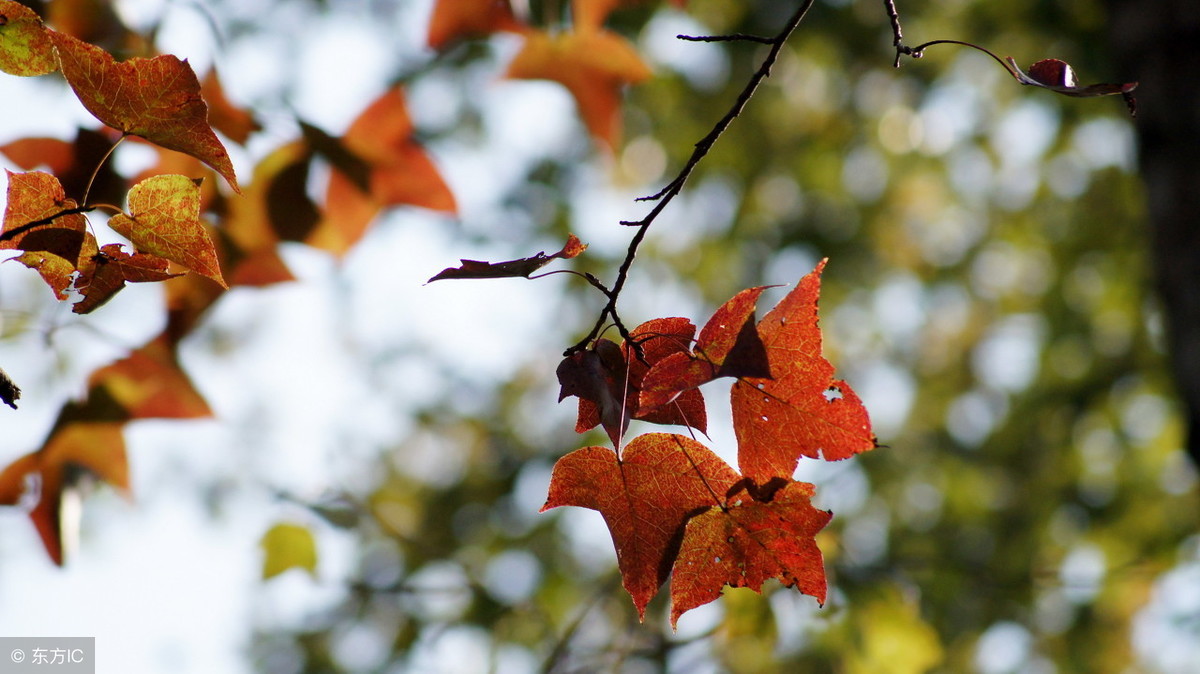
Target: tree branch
point(675, 186)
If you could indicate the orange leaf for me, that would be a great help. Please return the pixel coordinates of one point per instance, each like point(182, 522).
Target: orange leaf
point(590, 14)
point(108, 270)
point(164, 220)
point(748, 542)
point(55, 248)
point(97, 448)
point(802, 410)
point(728, 346)
point(454, 19)
point(236, 123)
point(157, 99)
point(149, 384)
point(25, 45)
point(646, 497)
point(399, 173)
point(593, 65)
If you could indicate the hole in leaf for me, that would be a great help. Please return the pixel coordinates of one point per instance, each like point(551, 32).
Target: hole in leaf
point(833, 393)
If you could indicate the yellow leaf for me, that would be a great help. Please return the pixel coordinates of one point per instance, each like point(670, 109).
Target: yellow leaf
point(288, 546)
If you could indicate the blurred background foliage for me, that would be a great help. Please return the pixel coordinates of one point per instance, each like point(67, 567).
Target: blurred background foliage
point(1032, 508)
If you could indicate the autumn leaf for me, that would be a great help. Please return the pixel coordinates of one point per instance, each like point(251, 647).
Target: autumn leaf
point(748, 541)
point(1059, 77)
point(97, 448)
point(108, 270)
point(607, 379)
point(590, 14)
point(646, 496)
point(164, 220)
point(455, 19)
point(802, 410)
point(288, 546)
point(519, 268)
point(594, 66)
point(26, 48)
point(58, 241)
point(728, 346)
point(377, 163)
point(158, 99)
point(149, 384)
point(236, 123)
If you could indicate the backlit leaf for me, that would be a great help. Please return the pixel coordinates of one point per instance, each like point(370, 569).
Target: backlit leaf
point(802, 410)
point(288, 546)
point(398, 172)
point(25, 45)
point(593, 65)
point(109, 269)
point(748, 542)
point(149, 384)
point(158, 99)
point(607, 379)
point(1059, 77)
point(455, 19)
point(97, 448)
point(645, 496)
point(728, 346)
point(164, 220)
point(589, 14)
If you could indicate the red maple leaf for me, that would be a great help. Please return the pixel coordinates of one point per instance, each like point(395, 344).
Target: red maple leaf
point(744, 542)
point(646, 496)
point(607, 379)
point(802, 410)
point(728, 346)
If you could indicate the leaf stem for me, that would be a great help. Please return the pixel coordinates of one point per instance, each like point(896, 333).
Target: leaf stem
point(100, 164)
point(675, 186)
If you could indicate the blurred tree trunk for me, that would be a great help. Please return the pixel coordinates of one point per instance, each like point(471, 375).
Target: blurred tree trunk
point(1158, 43)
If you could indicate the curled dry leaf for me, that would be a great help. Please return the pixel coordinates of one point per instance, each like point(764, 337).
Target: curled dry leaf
point(1058, 76)
point(519, 268)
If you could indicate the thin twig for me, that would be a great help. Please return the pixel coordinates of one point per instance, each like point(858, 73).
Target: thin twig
point(21, 229)
point(674, 187)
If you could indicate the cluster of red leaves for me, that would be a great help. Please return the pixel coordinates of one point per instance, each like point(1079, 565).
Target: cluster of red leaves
point(592, 63)
point(674, 508)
